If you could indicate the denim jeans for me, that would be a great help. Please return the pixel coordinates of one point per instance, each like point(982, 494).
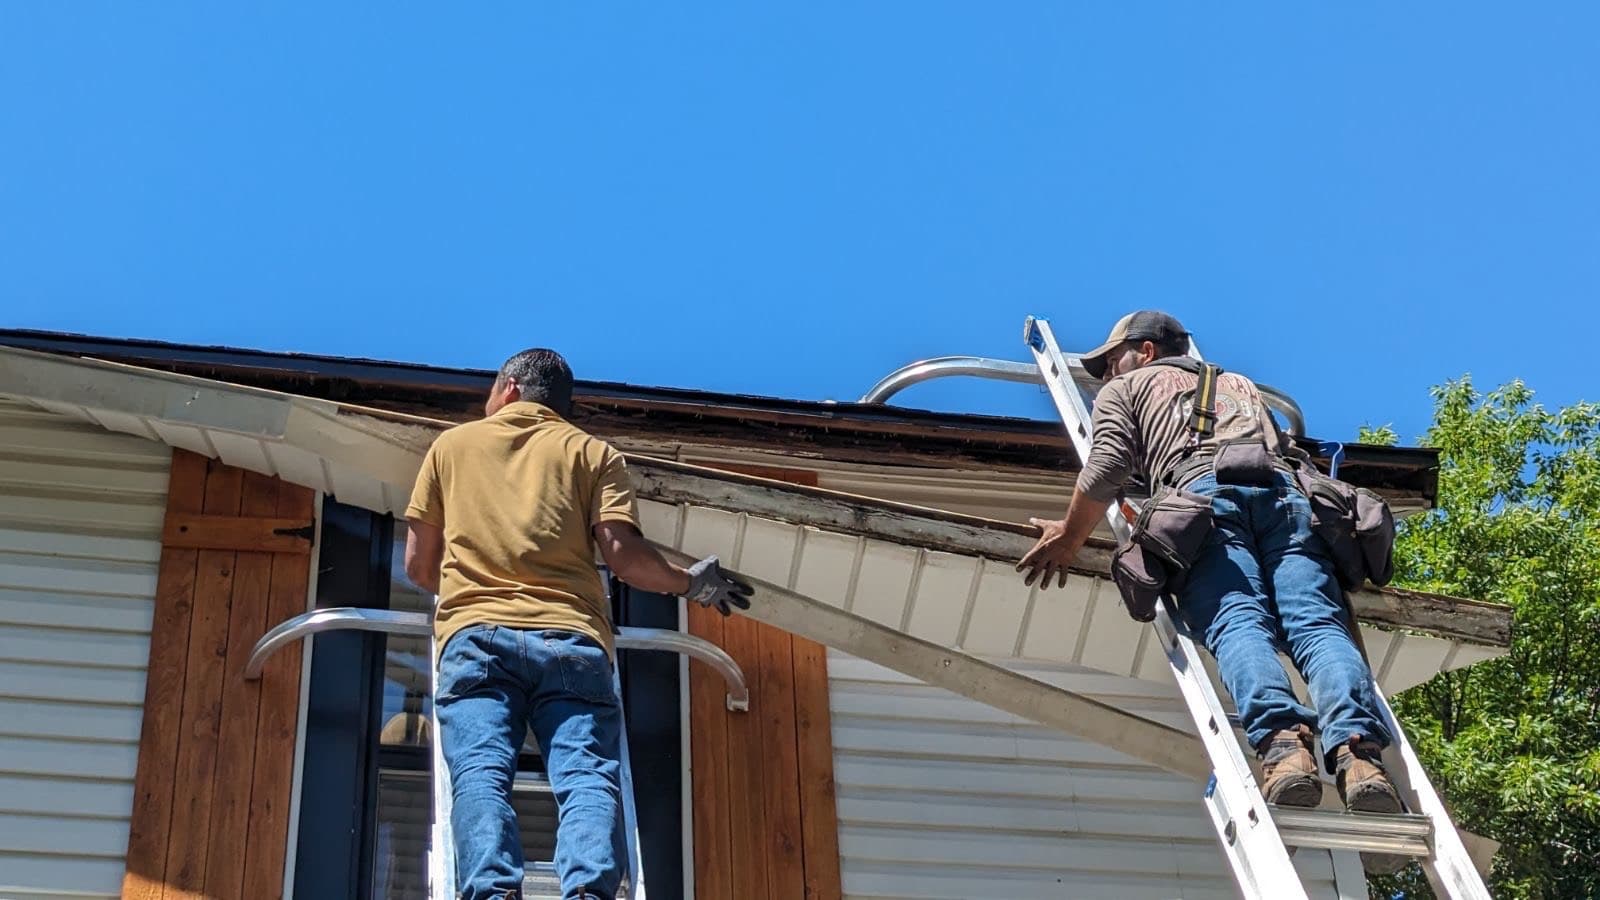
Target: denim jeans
point(494, 683)
point(1263, 583)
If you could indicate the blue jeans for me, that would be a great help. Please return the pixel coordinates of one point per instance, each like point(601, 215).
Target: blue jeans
point(495, 682)
point(1265, 582)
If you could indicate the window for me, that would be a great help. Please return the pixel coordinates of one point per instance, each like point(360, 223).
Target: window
point(366, 799)
point(404, 807)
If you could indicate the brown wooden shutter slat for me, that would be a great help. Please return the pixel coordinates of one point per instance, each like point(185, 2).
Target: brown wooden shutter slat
point(155, 777)
point(202, 699)
point(774, 709)
point(268, 844)
point(708, 749)
point(818, 803)
point(241, 702)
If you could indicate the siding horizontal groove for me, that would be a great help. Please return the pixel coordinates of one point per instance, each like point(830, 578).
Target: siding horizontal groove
point(67, 701)
point(51, 815)
point(1009, 870)
point(97, 469)
point(80, 524)
point(1087, 767)
point(58, 855)
point(110, 630)
point(1032, 802)
point(154, 495)
point(82, 741)
point(86, 779)
point(7, 801)
point(112, 460)
point(944, 798)
point(1206, 842)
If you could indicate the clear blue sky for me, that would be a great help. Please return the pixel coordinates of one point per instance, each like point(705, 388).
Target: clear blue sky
point(1352, 204)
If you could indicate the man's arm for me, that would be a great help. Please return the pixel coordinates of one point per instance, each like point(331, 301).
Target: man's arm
point(636, 562)
point(633, 560)
point(424, 554)
point(1062, 539)
point(1112, 452)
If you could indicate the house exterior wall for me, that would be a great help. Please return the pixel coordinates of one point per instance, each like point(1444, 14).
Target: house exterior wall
point(80, 524)
point(944, 798)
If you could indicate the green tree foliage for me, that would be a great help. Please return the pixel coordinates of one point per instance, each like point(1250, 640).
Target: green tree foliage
point(1514, 743)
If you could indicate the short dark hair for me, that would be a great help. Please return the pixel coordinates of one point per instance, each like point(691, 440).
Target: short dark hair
point(542, 376)
point(1170, 344)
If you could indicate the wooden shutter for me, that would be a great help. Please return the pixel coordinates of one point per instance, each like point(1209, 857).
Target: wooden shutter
point(216, 752)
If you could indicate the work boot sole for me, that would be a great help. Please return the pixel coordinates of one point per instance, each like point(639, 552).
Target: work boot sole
point(1301, 792)
point(1377, 798)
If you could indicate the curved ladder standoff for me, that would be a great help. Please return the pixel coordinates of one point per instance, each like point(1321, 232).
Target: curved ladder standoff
point(1025, 373)
point(418, 624)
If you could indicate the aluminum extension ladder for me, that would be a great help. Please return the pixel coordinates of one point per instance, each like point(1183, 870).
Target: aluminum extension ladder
point(1255, 835)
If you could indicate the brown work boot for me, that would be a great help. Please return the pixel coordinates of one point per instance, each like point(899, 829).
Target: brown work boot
point(1289, 768)
point(1365, 787)
point(1363, 783)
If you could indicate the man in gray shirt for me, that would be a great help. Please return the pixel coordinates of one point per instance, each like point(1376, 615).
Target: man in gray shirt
point(1262, 581)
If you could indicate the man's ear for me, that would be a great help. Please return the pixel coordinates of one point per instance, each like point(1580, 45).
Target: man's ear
point(510, 392)
point(1148, 352)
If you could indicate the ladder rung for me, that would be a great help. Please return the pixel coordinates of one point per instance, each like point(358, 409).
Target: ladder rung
point(1398, 834)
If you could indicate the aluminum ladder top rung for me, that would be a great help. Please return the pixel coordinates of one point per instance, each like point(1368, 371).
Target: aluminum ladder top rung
point(1397, 834)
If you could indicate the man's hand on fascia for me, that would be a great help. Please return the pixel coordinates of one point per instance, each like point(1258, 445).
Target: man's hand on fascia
point(1050, 556)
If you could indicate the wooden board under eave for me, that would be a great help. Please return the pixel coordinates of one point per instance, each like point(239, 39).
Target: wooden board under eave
point(221, 833)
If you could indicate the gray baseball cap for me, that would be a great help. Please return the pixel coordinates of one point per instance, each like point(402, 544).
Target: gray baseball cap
point(1144, 325)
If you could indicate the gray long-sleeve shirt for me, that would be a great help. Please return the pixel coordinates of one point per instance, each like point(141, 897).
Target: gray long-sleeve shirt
point(1141, 425)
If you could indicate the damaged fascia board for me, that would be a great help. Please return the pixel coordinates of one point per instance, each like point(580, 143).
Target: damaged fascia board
point(389, 447)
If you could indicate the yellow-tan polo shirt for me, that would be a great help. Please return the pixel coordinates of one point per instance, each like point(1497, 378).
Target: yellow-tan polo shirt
point(518, 495)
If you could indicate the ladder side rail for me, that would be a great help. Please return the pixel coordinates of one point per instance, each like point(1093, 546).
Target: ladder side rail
point(633, 878)
point(1069, 403)
point(441, 839)
point(1239, 812)
point(1450, 870)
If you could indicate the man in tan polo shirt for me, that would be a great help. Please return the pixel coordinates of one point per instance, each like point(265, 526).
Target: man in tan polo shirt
point(504, 519)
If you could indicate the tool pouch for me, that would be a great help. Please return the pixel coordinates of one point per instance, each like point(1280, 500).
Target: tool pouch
point(1356, 524)
point(1244, 462)
point(1167, 537)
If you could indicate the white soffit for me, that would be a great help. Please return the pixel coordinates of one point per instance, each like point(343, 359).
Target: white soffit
point(369, 458)
point(361, 460)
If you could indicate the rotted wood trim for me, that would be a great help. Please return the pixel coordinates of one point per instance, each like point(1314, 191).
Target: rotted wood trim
point(677, 483)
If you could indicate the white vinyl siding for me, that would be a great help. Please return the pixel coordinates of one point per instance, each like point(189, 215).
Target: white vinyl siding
point(944, 797)
point(80, 525)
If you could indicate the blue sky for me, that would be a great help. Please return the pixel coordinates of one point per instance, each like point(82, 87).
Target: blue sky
point(1351, 204)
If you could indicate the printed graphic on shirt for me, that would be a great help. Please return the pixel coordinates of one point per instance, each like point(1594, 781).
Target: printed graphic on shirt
point(1237, 403)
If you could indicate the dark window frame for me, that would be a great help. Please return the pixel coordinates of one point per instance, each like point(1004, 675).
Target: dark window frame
point(339, 772)
point(337, 818)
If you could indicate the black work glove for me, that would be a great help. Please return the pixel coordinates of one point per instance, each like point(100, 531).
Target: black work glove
point(710, 586)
